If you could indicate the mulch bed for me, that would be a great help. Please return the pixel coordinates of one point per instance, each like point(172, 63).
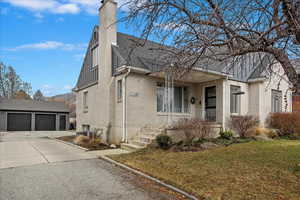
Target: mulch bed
point(91, 147)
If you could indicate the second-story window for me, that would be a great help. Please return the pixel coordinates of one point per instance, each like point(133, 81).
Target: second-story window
point(85, 101)
point(95, 57)
point(119, 90)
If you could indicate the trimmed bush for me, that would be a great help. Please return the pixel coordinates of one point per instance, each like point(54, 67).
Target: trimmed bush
point(241, 124)
point(227, 134)
point(163, 141)
point(286, 123)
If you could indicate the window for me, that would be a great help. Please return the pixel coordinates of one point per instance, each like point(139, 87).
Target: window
point(180, 100)
point(85, 101)
point(235, 99)
point(276, 101)
point(211, 103)
point(119, 90)
point(94, 57)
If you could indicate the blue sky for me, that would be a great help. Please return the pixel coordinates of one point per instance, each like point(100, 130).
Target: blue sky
point(45, 40)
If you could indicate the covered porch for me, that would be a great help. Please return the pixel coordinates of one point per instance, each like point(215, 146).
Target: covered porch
point(199, 94)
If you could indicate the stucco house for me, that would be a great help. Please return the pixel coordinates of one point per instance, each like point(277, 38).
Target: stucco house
point(296, 95)
point(121, 88)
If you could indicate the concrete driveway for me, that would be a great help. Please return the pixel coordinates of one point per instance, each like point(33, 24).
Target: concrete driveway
point(33, 167)
point(22, 149)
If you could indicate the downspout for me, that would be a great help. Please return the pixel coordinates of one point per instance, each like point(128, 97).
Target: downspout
point(124, 101)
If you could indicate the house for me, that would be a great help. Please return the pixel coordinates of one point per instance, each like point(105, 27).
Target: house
point(30, 115)
point(123, 90)
point(296, 95)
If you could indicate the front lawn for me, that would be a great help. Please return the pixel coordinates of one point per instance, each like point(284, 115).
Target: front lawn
point(254, 170)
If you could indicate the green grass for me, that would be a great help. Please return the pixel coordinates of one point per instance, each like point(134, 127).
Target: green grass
point(254, 170)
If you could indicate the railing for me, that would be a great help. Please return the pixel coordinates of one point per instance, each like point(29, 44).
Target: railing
point(208, 114)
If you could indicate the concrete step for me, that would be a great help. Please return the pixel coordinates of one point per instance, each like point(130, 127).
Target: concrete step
point(151, 130)
point(131, 147)
point(146, 138)
point(139, 143)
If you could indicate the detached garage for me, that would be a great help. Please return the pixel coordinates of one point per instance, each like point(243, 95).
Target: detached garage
point(29, 115)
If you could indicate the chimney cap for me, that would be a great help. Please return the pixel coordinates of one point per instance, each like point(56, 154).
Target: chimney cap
point(105, 1)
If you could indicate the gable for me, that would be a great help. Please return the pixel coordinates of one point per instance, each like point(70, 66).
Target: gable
point(88, 73)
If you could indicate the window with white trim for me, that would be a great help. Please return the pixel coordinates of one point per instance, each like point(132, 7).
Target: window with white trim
point(95, 57)
point(235, 99)
point(276, 101)
point(119, 90)
point(85, 101)
point(180, 100)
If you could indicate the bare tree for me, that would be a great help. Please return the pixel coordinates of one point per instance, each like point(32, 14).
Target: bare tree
point(222, 30)
point(38, 96)
point(11, 83)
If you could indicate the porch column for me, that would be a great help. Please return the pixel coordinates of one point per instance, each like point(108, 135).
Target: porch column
point(223, 102)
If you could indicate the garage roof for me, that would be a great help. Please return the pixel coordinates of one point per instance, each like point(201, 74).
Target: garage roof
point(31, 105)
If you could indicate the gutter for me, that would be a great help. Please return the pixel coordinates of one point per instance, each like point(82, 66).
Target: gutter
point(253, 80)
point(124, 102)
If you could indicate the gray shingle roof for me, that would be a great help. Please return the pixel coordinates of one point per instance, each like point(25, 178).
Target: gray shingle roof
point(149, 57)
point(130, 52)
point(31, 105)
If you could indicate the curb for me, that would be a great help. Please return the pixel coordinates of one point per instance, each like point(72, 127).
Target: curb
point(149, 177)
point(71, 144)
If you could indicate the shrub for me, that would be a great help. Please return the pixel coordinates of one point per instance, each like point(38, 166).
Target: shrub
point(285, 123)
point(163, 141)
point(81, 140)
point(241, 124)
point(194, 128)
point(227, 134)
point(255, 131)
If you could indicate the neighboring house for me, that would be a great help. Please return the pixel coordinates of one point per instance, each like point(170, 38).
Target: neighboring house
point(296, 95)
point(121, 88)
point(30, 115)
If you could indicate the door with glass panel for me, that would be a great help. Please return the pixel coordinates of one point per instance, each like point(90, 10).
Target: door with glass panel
point(210, 103)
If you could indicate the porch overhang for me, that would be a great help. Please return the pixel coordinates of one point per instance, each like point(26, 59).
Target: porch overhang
point(195, 76)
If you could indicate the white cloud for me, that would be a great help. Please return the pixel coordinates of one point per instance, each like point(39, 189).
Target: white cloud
point(49, 45)
point(53, 6)
point(67, 8)
point(61, 6)
point(37, 5)
point(39, 15)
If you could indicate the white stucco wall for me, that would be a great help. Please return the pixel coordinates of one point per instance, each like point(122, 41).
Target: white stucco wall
point(277, 82)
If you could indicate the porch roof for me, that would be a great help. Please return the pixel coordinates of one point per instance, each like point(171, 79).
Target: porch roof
point(194, 76)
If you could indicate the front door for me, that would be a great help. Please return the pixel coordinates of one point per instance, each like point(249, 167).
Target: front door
point(210, 103)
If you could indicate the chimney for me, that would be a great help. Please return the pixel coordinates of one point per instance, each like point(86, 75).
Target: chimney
point(108, 18)
point(107, 36)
